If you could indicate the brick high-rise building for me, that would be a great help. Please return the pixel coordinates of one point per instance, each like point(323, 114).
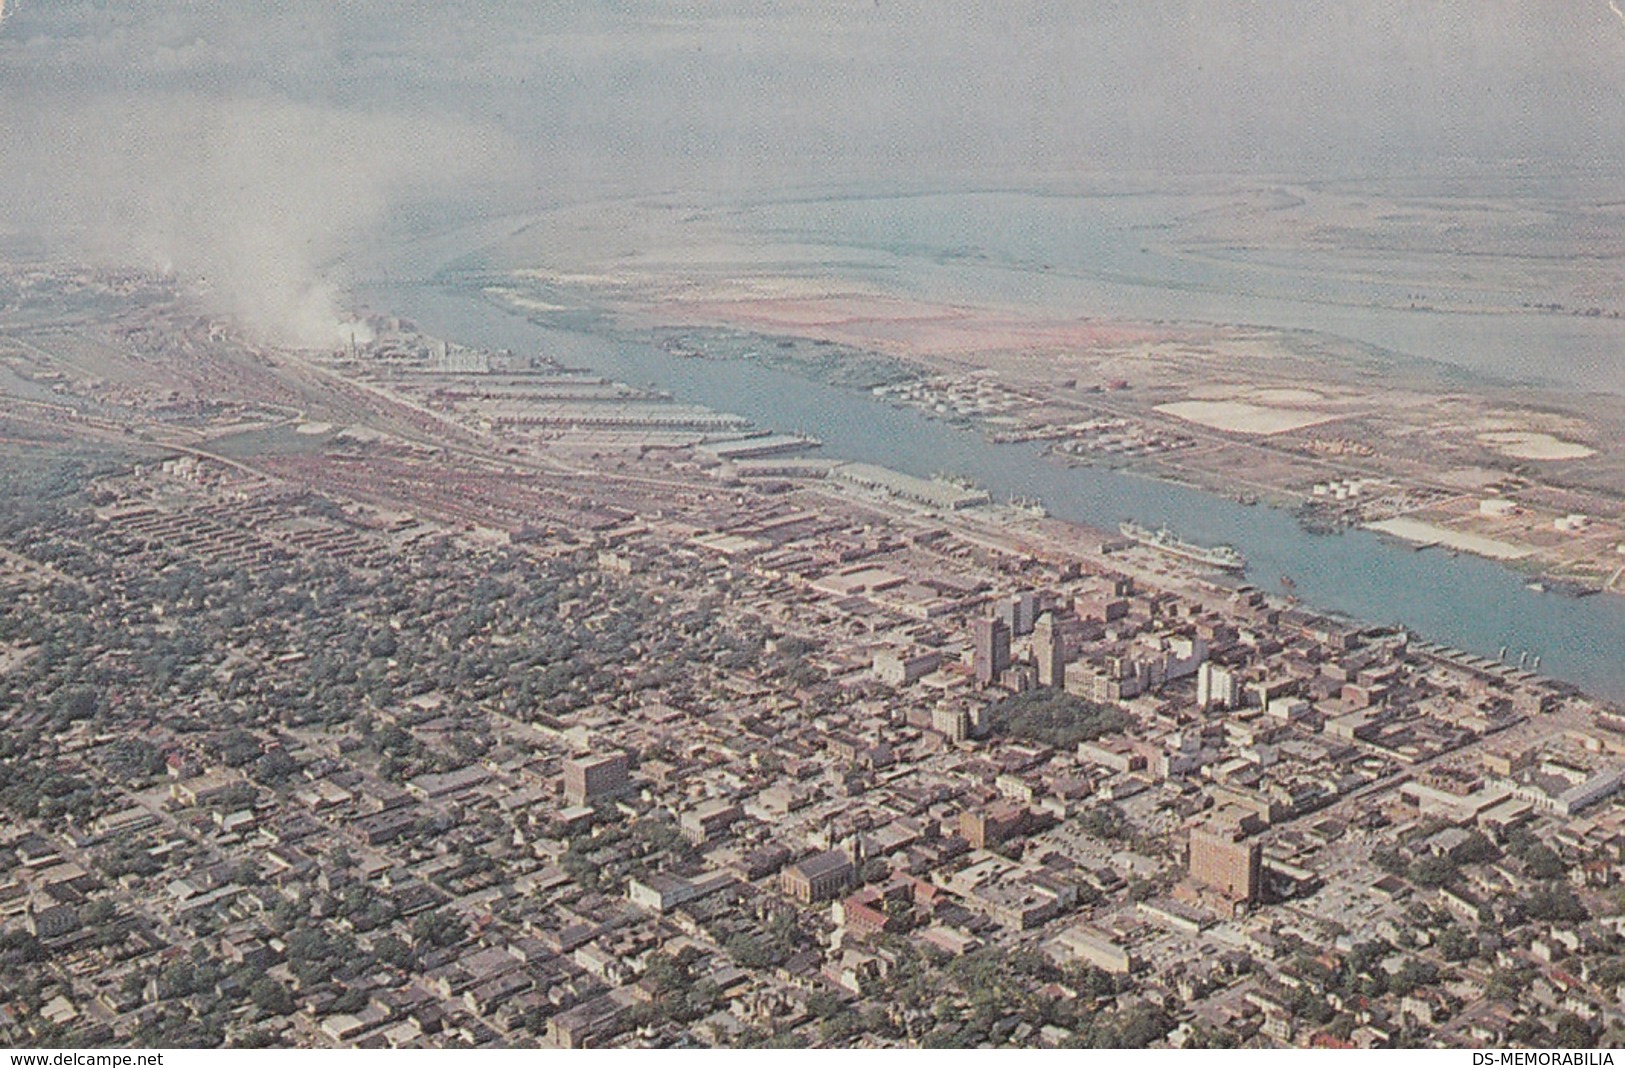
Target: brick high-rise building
point(1050, 652)
point(990, 654)
point(589, 778)
point(993, 825)
point(1224, 859)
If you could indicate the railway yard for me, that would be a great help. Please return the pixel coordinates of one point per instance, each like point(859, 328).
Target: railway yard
point(406, 695)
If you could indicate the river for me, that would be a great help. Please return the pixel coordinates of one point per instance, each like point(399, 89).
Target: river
point(1127, 256)
point(1461, 600)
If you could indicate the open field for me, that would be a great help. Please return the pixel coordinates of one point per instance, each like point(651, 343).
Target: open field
point(1424, 534)
point(909, 328)
point(1239, 417)
point(1527, 446)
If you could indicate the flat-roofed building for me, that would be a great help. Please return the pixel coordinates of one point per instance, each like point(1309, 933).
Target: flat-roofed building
point(1223, 859)
point(205, 789)
point(990, 653)
point(1118, 754)
point(591, 1022)
point(1018, 612)
point(987, 827)
point(1049, 651)
point(952, 723)
point(709, 820)
point(818, 877)
point(1095, 947)
point(941, 494)
point(436, 786)
point(54, 921)
point(1217, 687)
point(901, 669)
point(589, 778)
point(659, 892)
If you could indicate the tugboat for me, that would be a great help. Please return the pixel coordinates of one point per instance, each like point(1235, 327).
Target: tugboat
point(1223, 557)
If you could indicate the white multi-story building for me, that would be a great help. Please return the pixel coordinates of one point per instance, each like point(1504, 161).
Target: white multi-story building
point(1217, 687)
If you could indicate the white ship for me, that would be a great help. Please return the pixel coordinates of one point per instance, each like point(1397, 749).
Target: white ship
point(1223, 557)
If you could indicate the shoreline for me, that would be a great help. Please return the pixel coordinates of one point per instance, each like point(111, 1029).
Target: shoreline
point(848, 367)
point(636, 360)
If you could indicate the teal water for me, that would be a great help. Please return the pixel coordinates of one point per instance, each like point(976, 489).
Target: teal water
point(1460, 601)
point(1113, 257)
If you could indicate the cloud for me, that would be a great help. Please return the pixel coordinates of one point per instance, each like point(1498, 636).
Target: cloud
point(249, 143)
point(734, 90)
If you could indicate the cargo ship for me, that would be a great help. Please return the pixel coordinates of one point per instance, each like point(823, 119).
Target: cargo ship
point(1223, 557)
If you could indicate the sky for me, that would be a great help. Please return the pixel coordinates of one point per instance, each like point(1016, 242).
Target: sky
point(244, 143)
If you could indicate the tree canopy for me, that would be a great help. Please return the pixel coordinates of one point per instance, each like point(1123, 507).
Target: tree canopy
point(1053, 717)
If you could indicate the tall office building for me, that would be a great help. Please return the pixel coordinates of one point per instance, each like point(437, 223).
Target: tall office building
point(1018, 612)
point(987, 827)
point(1217, 687)
point(950, 722)
point(589, 778)
point(990, 654)
point(1049, 650)
point(1223, 859)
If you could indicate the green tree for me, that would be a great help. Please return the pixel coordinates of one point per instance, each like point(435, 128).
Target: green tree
point(1555, 903)
point(1571, 1032)
point(1053, 717)
point(271, 996)
point(1433, 870)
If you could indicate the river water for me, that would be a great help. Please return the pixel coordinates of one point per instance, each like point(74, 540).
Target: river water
point(1130, 257)
point(1461, 601)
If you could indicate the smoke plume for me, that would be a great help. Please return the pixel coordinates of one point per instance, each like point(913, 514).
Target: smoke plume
point(247, 200)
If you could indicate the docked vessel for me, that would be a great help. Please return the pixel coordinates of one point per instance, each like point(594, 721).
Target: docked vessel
point(1562, 587)
point(1223, 557)
point(1031, 506)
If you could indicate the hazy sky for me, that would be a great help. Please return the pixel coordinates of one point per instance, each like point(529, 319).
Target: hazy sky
point(212, 134)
